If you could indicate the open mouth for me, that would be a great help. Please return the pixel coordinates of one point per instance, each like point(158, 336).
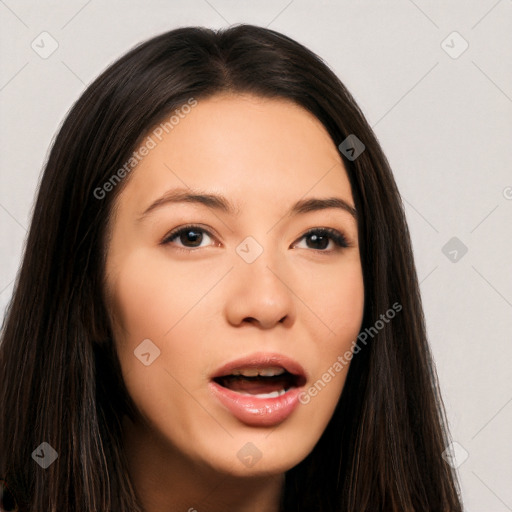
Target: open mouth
point(265, 382)
point(260, 389)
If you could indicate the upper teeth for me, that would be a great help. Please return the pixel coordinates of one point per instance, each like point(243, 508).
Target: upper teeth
point(264, 372)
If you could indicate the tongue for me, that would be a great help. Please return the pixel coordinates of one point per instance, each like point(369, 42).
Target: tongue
point(254, 386)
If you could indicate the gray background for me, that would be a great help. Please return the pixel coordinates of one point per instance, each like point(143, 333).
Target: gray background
point(444, 121)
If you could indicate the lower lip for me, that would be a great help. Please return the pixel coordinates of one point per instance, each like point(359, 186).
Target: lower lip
point(254, 411)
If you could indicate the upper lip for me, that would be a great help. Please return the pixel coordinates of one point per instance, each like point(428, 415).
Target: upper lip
point(261, 360)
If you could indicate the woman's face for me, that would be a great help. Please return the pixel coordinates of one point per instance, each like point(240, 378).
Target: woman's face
point(211, 323)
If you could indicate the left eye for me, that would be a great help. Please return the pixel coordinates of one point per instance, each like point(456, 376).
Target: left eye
point(322, 236)
point(191, 237)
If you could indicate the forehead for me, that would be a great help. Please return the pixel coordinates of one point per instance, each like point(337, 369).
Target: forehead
point(244, 146)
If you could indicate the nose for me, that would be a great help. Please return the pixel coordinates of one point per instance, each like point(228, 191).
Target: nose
point(260, 294)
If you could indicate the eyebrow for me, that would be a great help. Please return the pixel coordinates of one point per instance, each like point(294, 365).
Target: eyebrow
point(220, 203)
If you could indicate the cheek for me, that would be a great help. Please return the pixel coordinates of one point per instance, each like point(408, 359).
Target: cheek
point(152, 294)
point(344, 303)
point(341, 307)
point(336, 297)
point(156, 299)
point(151, 300)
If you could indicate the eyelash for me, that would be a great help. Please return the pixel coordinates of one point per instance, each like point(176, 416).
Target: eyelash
point(338, 238)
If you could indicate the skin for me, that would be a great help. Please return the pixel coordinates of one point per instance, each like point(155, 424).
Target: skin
point(206, 306)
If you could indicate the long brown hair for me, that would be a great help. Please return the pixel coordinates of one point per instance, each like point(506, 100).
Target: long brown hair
point(59, 374)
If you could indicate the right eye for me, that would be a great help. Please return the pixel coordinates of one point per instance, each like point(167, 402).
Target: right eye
point(189, 236)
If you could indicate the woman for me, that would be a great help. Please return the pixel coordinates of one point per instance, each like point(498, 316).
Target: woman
point(218, 307)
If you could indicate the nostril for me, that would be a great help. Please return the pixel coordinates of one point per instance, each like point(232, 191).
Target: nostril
point(252, 320)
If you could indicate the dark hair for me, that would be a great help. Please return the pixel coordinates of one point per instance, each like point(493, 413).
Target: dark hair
point(60, 377)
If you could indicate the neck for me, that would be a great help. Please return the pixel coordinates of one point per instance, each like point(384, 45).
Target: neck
point(165, 479)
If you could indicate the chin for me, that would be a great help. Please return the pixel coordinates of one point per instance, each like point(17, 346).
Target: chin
point(256, 452)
